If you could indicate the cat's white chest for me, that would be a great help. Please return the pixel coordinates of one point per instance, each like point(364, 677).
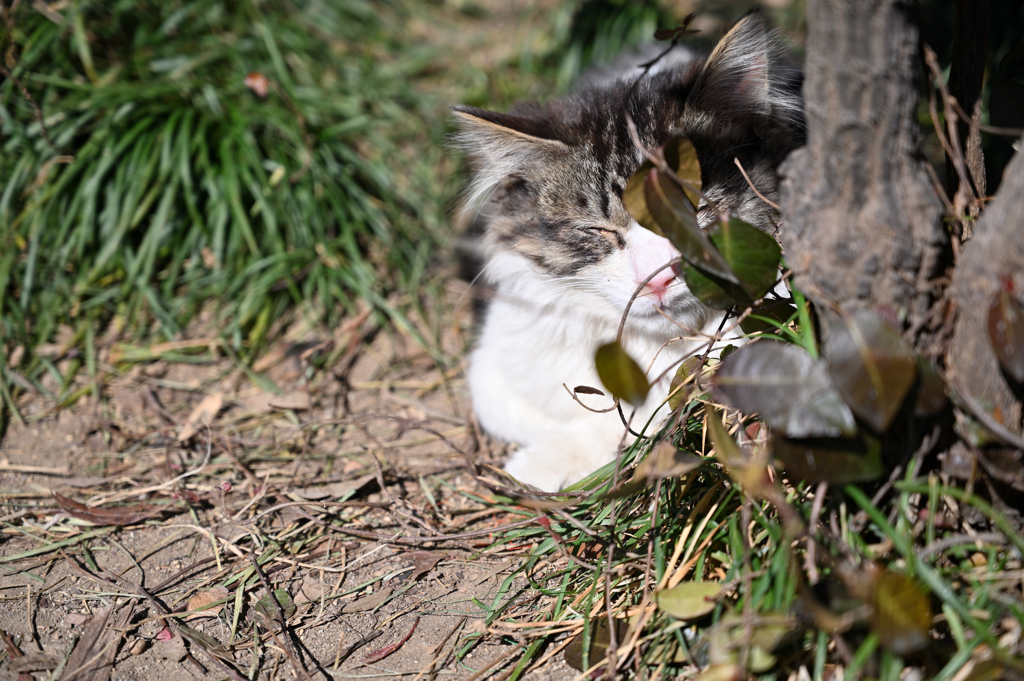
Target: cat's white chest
point(530, 349)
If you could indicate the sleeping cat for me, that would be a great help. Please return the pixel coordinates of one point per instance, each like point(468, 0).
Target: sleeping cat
point(564, 257)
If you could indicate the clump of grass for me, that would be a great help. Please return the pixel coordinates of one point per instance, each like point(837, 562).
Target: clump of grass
point(143, 177)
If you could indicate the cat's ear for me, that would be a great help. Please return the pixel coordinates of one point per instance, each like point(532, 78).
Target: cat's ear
point(502, 145)
point(748, 73)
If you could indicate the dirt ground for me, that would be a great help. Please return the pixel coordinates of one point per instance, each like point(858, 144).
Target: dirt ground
point(208, 450)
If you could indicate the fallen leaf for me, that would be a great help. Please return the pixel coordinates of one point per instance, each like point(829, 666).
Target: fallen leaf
point(368, 603)
point(93, 656)
point(378, 655)
point(338, 491)
point(258, 83)
point(202, 415)
point(423, 562)
point(120, 515)
point(267, 608)
point(204, 600)
point(297, 400)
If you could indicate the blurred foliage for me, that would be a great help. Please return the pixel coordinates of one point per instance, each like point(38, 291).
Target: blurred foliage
point(157, 180)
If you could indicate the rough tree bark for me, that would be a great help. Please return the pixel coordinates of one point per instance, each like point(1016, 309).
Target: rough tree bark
point(862, 218)
point(996, 251)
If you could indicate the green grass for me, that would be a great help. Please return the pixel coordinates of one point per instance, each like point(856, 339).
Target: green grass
point(158, 185)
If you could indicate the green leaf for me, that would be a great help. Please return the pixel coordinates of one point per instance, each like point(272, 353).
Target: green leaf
point(677, 394)
point(789, 390)
point(902, 613)
point(689, 600)
point(677, 218)
point(1006, 332)
point(751, 254)
point(619, 373)
point(267, 609)
point(835, 460)
point(760, 637)
point(869, 364)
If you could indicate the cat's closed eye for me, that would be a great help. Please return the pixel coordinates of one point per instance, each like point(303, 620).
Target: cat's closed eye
point(613, 235)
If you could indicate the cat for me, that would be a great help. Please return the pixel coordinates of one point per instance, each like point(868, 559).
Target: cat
point(564, 257)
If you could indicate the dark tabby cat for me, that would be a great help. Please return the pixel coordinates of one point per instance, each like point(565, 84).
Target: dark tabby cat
point(564, 256)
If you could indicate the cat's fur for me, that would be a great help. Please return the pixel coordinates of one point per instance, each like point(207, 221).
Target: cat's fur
point(564, 256)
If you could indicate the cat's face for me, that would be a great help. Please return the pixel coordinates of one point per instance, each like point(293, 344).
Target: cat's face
point(550, 178)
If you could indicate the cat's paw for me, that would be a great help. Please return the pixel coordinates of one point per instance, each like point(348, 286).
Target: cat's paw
point(550, 468)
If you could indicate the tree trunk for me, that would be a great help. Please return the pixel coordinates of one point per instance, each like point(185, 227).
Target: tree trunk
point(862, 218)
point(995, 252)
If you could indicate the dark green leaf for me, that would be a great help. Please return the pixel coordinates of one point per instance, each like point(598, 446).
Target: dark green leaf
point(1006, 331)
point(769, 316)
point(599, 642)
point(791, 391)
point(622, 376)
point(751, 254)
point(714, 291)
point(902, 614)
point(835, 460)
point(676, 216)
point(267, 609)
point(689, 600)
point(869, 364)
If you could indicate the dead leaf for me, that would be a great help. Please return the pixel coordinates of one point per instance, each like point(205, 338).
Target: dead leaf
point(258, 83)
point(202, 415)
point(34, 662)
point(203, 601)
point(93, 656)
point(121, 515)
point(368, 603)
point(339, 491)
point(423, 562)
point(297, 400)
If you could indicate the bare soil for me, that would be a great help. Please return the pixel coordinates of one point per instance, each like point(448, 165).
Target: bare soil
point(287, 433)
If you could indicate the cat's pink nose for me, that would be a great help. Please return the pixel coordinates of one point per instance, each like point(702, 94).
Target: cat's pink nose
point(659, 285)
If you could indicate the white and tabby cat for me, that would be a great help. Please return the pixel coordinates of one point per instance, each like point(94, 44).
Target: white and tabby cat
point(564, 256)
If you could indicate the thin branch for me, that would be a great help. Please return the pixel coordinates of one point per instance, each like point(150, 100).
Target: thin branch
point(747, 178)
